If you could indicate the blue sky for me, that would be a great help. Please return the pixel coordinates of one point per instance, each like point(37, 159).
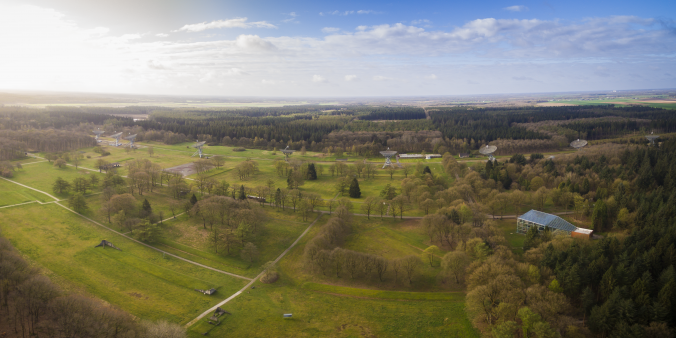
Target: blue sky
point(347, 48)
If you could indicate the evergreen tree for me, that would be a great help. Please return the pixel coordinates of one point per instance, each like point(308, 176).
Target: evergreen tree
point(193, 199)
point(427, 170)
point(311, 172)
point(599, 216)
point(278, 197)
point(355, 192)
point(242, 193)
point(146, 206)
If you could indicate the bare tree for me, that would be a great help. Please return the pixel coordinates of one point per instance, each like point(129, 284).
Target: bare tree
point(369, 205)
point(381, 265)
point(409, 265)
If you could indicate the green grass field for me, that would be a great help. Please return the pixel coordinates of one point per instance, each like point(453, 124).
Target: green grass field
point(11, 194)
point(335, 311)
point(41, 176)
point(137, 279)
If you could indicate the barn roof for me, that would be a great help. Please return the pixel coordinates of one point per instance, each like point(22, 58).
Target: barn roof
point(548, 220)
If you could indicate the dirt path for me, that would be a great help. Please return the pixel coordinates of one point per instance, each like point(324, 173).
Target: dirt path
point(211, 310)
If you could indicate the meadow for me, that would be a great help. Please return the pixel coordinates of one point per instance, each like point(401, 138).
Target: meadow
point(353, 312)
point(136, 279)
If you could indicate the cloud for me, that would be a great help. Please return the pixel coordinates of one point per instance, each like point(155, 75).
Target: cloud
point(522, 78)
point(345, 13)
point(292, 18)
point(318, 79)
point(268, 82)
point(517, 8)
point(253, 42)
point(431, 77)
point(422, 21)
point(230, 23)
point(154, 64)
point(161, 35)
point(382, 78)
point(350, 78)
point(330, 29)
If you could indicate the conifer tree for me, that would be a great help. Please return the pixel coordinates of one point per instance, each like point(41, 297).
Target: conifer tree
point(193, 199)
point(355, 192)
point(311, 172)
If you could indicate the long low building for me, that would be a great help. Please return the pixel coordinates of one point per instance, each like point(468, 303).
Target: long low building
point(542, 220)
point(427, 156)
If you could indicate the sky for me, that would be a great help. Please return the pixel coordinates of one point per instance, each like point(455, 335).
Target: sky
point(336, 48)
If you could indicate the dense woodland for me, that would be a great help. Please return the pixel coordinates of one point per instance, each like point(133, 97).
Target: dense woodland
point(331, 129)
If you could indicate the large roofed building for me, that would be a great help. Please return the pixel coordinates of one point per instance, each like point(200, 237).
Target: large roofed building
point(543, 220)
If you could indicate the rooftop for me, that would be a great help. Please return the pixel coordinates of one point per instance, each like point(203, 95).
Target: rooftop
point(548, 220)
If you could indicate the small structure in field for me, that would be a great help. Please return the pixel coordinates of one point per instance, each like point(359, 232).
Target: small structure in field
point(463, 155)
point(578, 144)
point(131, 139)
point(207, 292)
point(117, 139)
point(98, 133)
point(198, 146)
point(105, 243)
point(286, 151)
point(488, 151)
point(388, 155)
point(288, 315)
point(652, 138)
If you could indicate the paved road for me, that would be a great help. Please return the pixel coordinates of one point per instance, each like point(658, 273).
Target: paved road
point(211, 310)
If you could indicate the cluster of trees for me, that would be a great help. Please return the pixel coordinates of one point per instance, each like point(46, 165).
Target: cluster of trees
point(7, 168)
point(233, 224)
point(48, 140)
point(324, 254)
point(31, 306)
point(11, 149)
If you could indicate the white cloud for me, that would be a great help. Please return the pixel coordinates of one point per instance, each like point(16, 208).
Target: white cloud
point(516, 8)
point(431, 77)
point(318, 79)
point(292, 18)
point(344, 13)
point(330, 29)
point(564, 55)
point(254, 42)
point(422, 21)
point(162, 35)
point(382, 78)
point(230, 23)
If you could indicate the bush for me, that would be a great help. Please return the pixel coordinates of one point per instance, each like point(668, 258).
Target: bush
point(238, 149)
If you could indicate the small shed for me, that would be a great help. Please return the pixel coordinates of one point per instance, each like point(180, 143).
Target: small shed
point(582, 233)
point(543, 220)
point(463, 155)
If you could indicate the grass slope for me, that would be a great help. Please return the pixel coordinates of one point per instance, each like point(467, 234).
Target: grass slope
point(137, 279)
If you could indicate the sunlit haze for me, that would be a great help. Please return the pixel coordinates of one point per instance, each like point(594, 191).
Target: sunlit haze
point(347, 48)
